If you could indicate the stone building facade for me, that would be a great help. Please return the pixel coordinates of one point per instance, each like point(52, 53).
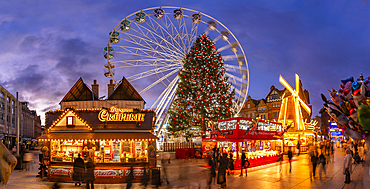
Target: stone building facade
point(29, 122)
point(267, 108)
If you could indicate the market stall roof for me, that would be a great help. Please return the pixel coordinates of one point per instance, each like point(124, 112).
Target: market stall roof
point(125, 91)
point(79, 92)
point(102, 135)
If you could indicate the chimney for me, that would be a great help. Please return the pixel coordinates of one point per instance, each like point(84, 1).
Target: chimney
point(95, 89)
point(110, 87)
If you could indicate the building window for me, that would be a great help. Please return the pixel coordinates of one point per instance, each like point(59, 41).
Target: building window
point(13, 107)
point(70, 121)
point(276, 105)
point(275, 114)
point(249, 105)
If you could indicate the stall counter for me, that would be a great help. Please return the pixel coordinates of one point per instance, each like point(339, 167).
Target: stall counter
point(104, 172)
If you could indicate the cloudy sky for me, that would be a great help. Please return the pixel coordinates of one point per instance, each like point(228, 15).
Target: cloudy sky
point(45, 46)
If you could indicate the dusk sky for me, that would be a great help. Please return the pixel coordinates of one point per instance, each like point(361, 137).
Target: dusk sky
point(46, 46)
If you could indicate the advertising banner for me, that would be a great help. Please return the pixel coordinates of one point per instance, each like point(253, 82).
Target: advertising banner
point(108, 172)
point(60, 171)
point(137, 172)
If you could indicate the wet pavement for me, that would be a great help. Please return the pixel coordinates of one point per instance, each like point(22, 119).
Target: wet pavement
point(188, 174)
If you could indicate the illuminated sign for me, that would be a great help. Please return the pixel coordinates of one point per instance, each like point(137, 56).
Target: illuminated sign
point(118, 114)
point(336, 133)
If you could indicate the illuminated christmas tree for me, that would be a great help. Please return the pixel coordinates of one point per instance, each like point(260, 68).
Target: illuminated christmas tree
point(203, 92)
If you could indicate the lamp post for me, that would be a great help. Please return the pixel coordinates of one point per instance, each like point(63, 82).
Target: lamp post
point(17, 121)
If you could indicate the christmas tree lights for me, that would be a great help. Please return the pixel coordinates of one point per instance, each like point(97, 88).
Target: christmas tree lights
point(203, 92)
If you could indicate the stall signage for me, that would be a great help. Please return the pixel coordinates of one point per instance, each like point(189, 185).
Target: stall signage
point(60, 171)
point(108, 172)
point(137, 172)
point(118, 114)
point(227, 132)
point(271, 133)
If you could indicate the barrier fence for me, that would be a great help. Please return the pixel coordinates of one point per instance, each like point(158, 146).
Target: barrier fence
point(172, 147)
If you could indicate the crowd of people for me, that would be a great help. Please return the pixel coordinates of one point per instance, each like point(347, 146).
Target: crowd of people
point(322, 154)
point(319, 156)
point(224, 163)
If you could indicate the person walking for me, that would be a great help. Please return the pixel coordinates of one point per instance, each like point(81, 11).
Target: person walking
point(347, 166)
point(164, 169)
point(280, 160)
point(28, 157)
point(322, 161)
point(130, 178)
point(231, 164)
point(244, 164)
point(314, 160)
point(298, 148)
point(89, 175)
point(78, 169)
point(145, 179)
point(290, 156)
point(221, 177)
point(327, 148)
point(212, 177)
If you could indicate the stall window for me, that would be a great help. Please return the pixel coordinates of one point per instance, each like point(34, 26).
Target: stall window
point(105, 151)
point(70, 121)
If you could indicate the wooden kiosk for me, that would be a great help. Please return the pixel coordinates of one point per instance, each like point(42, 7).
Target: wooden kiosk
point(116, 138)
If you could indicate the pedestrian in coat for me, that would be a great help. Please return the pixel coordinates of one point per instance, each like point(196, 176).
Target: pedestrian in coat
point(298, 148)
point(78, 170)
point(130, 178)
point(145, 179)
point(290, 156)
point(164, 170)
point(231, 164)
point(314, 160)
point(221, 178)
point(28, 157)
point(212, 163)
point(243, 164)
point(89, 175)
point(347, 166)
point(322, 161)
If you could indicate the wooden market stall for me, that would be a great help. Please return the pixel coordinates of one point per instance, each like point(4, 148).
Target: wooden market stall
point(114, 138)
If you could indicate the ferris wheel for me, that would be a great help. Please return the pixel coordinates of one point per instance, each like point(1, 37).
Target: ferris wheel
point(148, 47)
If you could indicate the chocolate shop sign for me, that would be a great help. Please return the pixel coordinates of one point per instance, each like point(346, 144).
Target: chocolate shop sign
point(118, 114)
